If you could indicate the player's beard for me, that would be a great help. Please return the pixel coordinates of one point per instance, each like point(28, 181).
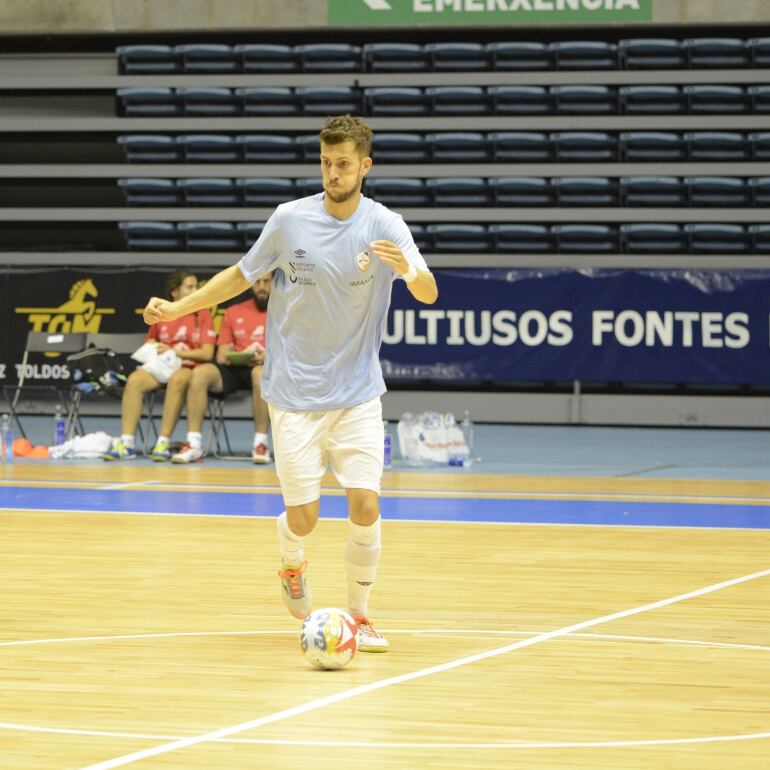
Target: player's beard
point(261, 300)
point(342, 197)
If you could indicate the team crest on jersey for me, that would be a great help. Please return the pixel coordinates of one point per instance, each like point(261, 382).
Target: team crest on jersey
point(362, 260)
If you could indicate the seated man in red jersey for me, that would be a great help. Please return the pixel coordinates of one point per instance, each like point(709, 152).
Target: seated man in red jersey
point(238, 365)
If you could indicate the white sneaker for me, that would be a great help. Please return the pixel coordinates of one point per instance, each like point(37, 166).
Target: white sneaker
point(369, 638)
point(296, 593)
point(188, 454)
point(260, 454)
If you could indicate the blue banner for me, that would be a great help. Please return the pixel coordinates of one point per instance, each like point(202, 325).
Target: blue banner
point(618, 325)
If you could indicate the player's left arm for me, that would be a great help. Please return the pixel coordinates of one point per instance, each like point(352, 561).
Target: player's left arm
point(421, 283)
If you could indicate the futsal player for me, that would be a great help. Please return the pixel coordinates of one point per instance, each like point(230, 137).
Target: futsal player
point(334, 256)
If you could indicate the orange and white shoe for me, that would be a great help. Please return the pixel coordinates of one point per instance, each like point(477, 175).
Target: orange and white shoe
point(297, 595)
point(260, 454)
point(369, 638)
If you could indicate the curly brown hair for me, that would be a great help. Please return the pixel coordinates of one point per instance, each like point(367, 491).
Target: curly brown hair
point(348, 128)
point(176, 279)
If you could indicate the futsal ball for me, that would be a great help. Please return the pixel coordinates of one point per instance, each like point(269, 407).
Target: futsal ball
point(329, 638)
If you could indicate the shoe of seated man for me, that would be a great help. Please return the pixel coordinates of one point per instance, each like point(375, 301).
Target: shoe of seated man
point(120, 451)
point(260, 454)
point(369, 638)
point(297, 595)
point(161, 452)
point(188, 454)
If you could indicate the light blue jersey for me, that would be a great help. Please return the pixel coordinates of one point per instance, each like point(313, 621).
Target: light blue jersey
point(328, 304)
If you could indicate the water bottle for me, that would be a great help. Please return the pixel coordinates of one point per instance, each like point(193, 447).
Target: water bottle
point(455, 455)
point(388, 446)
point(59, 424)
point(6, 430)
point(466, 426)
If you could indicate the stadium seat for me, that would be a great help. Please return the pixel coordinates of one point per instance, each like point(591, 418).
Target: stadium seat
point(147, 60)
point(421, 239)
point(328, 100)
point(148, 102)
point(717, 191)
point(521, 146)
point(760, 145)
point(464, 57)
point(308, 147)
point(151, 236)
point(209, 191)
point(651, 54)
point(250, 232)
point(209, 148)
point(759, 187)
point(584, 55)
point(715, 238)
point(395, 57)
point(522, 239)
point(760, 238)
point(265, 191)
point(656, 146)
point(585, 191)
point(652, 238)
point(584, 100)
point(636, 100)
point(268, 100)
point(521, 100)
point(460, 191)
point(460, 147)
point(522, 191)
point(210, 236)
point(309, 185)
point(150, 192)
point(459, 238)
point(398, 191)
point(718, 146)
point(760, 98)
point(203, 58)
point(515, 55)
point(584, 239)
point(267, 58)
point(329, 57)
point(401, 148)
point(208, 101)
point(716, 53)
point(759, 50)
point(596, 146)
point(652, 191)
point(716, 98)
point(150, 148)
point(458, 100)
point(268, 148)
point(396, 101)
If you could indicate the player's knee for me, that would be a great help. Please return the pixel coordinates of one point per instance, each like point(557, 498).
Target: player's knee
point(364, 507)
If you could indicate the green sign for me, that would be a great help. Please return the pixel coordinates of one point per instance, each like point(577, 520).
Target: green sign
point(396, 13)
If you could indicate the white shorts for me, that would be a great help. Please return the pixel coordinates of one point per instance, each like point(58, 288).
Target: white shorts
point(306, 443)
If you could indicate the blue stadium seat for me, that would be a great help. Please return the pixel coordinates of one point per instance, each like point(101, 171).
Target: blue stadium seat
point(652, 238)
point(460, 147)
point(759, 49)
point(209, 148)
point(584, 239)
point(585, 191)
point(718, 146)
point(398, 191)
point(652, 191)
point(148, 102)
point(760, 145)
point(584, 55)
point(147, 60)
point(250, 232)
point(268, 148)
point(208, 101)
point(521, 100)
point(150, 148)
point(209, 191)
point(651, 54)
point(460, 191)
point(401, 148)
point(460, 238)
point(759, 188)
point(396, 101)
point(210, 236)
point(522, 239)
point(715, 238)
point(583, 146)
point(716, 98)
point(268, 100)
point(717, 191)
point(636, 100)
point(655, 146)
point(208, 58)
point(328, 100)
point(265, 191)
point(465, 57)
point(760, 98)
point(585, 100)
point(329, 57)
point(308, 185)
point(151, 236)
point(716, 53)
point(395, 57)
point(760, 238)
point(150, 192)
point(516, 55)
point(458, 100)
point(266, 57)
point(522, 146)
point(309, 147)
point(421, 239)
point(522, 191)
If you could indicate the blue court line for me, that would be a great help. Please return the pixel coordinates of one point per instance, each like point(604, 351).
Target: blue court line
point(520, 511)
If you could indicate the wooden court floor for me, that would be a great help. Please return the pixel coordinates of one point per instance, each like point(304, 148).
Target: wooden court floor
point(159, 640)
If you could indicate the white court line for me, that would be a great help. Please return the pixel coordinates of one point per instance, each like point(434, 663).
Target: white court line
point(277, 716)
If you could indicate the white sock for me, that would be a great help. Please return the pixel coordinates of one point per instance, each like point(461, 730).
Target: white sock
point(362, 554)
point(260, 438)
point(195, 440)
point(162, 438)
point(292, 546)
point(127, 440)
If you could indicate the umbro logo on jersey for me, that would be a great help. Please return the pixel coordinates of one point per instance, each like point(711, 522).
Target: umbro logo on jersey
point(299, 253)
